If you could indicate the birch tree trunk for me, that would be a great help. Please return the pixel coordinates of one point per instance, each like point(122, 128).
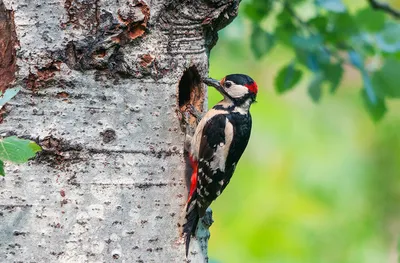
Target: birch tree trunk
point(103, 84)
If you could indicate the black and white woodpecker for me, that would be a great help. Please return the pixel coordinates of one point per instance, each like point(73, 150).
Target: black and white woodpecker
point(217, 145)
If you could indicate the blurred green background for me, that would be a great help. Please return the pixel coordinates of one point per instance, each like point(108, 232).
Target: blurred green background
point(318, 182)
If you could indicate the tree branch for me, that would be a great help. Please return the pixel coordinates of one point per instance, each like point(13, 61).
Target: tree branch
point(385, 7)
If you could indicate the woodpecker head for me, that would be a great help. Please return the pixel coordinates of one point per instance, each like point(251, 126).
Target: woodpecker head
point(238, 88)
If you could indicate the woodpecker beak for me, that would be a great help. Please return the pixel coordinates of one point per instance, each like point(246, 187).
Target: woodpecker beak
point(216, 84)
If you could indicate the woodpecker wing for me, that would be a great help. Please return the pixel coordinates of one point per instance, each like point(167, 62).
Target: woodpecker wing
point(213, 152)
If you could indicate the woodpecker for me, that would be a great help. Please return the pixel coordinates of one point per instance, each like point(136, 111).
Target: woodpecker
point(217, 145)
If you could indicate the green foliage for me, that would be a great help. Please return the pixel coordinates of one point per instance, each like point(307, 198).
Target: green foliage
point(314, 88)
point(331, 5)
point(388, 40)
point(287, 78)
point(7, 96)
point(388, 79)
point(370, 20)
point(257, 10)
point(12, 148)
point(2, 168)
point(261, 41)
point(321, 40)
point(16, 150)
point(316, 183)
point(333, 75)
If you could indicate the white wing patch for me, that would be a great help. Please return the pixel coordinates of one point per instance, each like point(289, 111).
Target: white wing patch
point(222, 150)
point(196, 139)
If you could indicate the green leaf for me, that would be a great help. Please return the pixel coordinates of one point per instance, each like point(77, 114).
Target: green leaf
point(389, 39)
point(257, 10)
point(370, 19)
point(341, 27)
point(34, 147)
point(2, 173)
point(320, 23)
point(357, 60)
point(333, 74)
point(369, 90)
point(17, 150)
point(314, 88)
point(363, 42)
point(312, 62)
point(336, 6)
point(287, 78)
point(323, 56)
point(285, 29)
point(261, 41)
point(386, 81)
point(376, 110)
point(312, 59)
point(8, 95)
point(309, 43)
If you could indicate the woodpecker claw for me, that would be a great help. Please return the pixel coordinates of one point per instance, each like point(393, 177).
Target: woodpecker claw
point(194, 112)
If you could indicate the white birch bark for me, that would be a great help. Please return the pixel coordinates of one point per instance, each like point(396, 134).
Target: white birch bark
point(100, 94)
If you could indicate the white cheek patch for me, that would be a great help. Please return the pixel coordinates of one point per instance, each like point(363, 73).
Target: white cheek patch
point(221, 153)
point(237, 91)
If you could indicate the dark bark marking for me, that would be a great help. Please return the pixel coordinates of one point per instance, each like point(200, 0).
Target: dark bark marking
point(100, 50)
point(62, 95)
point(108, 135)
point(207, 16)
point(8, 43)
point(3, 113)
point(44, 74)
point(50, 143)
point(81, 14)
point(146, 60)
point(135, 17)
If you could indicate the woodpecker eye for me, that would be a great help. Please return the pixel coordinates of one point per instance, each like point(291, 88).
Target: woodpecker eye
point(228, 84)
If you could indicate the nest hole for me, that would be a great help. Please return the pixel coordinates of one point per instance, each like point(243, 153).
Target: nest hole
point(190, 90)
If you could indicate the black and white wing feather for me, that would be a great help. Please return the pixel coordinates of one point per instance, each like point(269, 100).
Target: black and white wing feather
point(214, 148)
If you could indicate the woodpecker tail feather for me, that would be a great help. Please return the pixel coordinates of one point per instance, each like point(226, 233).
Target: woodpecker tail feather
point(192, 214)
point(192, 219)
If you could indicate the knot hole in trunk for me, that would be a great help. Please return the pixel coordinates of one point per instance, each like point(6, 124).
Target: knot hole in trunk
point(191, 97)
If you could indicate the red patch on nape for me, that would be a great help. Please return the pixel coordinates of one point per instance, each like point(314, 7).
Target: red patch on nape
point(253, 88)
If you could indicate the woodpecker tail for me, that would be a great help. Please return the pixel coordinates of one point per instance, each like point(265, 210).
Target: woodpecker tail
point(192, 219)
point(192, 214)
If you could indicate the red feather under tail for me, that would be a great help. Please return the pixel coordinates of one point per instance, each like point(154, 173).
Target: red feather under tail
point(193, 179)
point(192, 216)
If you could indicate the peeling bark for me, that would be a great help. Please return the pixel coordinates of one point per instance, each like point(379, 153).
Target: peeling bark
point(8, 43)
point(101, 86)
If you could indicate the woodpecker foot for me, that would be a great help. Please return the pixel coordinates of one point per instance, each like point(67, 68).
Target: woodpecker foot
point(194, 112)
point(188, 141)
point(184, 118)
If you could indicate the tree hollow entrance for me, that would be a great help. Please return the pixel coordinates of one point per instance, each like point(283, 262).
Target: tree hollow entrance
point(191, 92)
